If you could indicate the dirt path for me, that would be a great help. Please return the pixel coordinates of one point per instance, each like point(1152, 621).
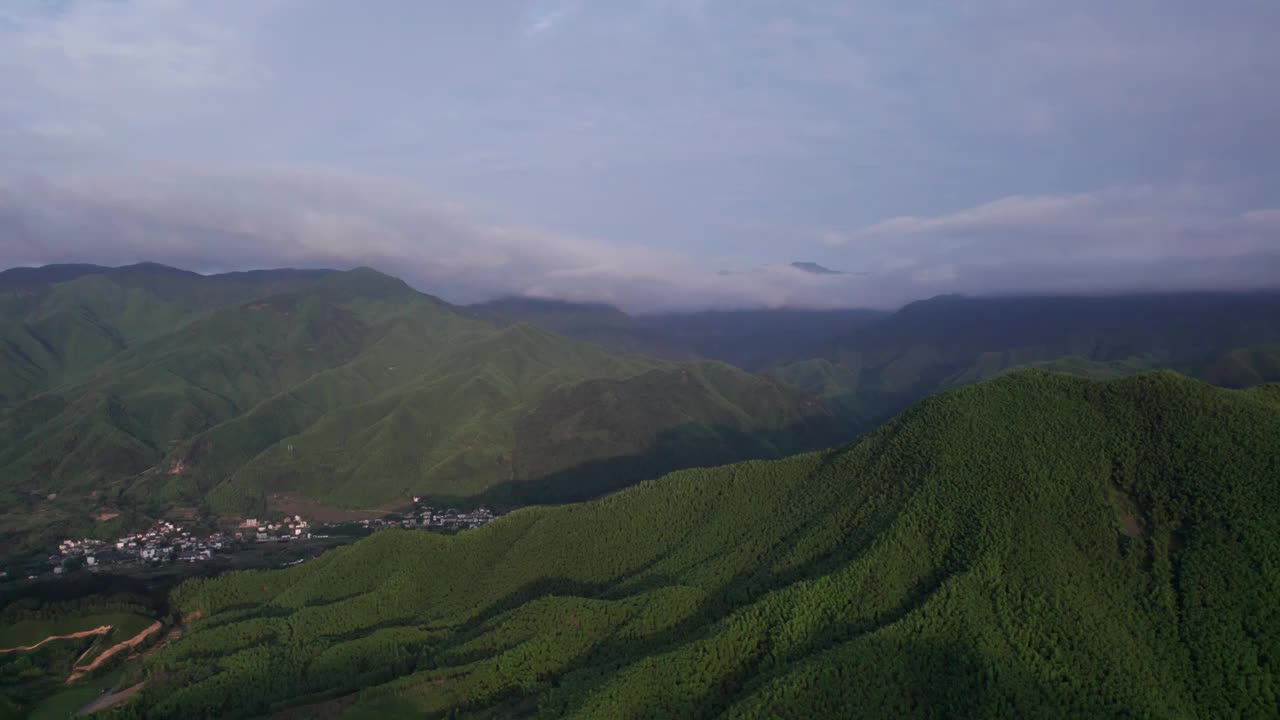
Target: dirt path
point(110, 700)
point(110, 652)
point(100, 630)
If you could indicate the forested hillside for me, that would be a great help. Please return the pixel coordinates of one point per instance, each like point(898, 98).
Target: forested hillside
point(1037, 545)
point(1228, 339)
point(128, 391)
point(752, 339)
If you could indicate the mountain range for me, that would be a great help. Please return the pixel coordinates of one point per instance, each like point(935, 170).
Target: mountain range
point(1021, 516)
point(128, 393)
point(752, 339)
point(1035, 545)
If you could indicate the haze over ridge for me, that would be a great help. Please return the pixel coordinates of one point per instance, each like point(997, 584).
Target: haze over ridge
point(627, 153)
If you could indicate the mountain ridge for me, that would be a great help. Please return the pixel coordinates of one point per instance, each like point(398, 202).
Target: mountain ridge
point(1037, 544)
point(134, 391)
point(144, 387)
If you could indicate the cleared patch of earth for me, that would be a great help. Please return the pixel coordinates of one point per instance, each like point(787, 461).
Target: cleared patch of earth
point(1131, 526)
point(1126, 511)
point(110, 652)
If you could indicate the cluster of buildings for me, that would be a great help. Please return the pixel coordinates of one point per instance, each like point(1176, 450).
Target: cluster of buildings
point(423, 517)
point(448, 519)
point(164, 542)
point(290, 528)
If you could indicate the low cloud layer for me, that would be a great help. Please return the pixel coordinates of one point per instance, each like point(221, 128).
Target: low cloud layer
point(1114, 239)
point(631, 151)
point(284, 219)
point(1120, 239)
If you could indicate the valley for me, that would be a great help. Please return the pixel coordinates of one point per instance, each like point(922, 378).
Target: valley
point(969, 555)
point(344, 390)
point(659, 360)
point(233, 547)
point(139, 391)
point(238, 462)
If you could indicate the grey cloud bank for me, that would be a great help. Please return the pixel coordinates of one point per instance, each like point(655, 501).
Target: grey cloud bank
point(625, 152)
point(1129, 239)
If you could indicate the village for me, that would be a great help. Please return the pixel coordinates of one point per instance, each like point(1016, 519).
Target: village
point(426, 517)
point(164, 542)
point(168, 542)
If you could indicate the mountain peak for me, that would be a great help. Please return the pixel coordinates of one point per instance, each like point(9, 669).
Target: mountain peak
point(152, 266)
point(366, 281)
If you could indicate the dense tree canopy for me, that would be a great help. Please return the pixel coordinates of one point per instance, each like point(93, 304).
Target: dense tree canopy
point(139, 389)
point(1037, 545)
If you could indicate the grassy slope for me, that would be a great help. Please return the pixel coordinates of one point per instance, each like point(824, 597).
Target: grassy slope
point(32, 683)
point(1036, 545)
point(31, 631)
point(443, 426)
point(60, 323)
point(69, 699)
point(163, 387)
point(61, 333)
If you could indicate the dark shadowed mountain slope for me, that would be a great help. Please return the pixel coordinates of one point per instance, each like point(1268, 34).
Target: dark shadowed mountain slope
point(876, 370)
point(1038, 545)
point(597, 323)
point(750, 339)
point(1097, 328)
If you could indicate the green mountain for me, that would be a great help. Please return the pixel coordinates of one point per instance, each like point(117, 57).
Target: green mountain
point(142, 389)
point(867, 365)
point(753, 339)
point(1229, 339)
point(1037, 545)
point(61, 322)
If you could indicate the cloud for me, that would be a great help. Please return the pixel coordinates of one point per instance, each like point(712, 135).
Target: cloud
point(283, 218)
point(77, 47)
point(1018, 212)
point(1119, 239)
point(1146, 237)
point(549, 19)
point(935, 148)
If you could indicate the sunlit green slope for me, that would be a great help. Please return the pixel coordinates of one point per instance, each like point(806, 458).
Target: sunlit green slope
point(136, 390)
point(1038, 545)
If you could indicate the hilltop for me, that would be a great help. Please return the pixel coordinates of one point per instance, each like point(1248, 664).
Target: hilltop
point(137, 391)
point(1037, 545)
point(131, 391)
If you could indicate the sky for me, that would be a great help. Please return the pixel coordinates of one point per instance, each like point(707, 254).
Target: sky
point(655, 154)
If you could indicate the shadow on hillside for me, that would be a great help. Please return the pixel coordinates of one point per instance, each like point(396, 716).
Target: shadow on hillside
point(150, 589)
point(690, 445)
point(733, 594)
